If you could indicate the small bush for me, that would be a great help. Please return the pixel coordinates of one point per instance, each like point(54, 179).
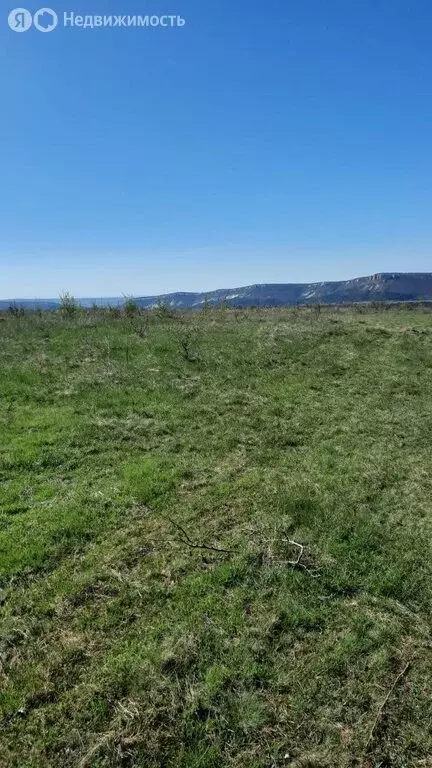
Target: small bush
point(15, 310)
point(140, 325)
point(114, 312)
point(223, 304)
point(68, 304)
point(130, 306)
point(187, 338)
point(163, 311)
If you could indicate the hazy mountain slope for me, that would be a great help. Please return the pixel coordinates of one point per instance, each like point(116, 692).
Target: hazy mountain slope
point(387, 286)
point(394, 286)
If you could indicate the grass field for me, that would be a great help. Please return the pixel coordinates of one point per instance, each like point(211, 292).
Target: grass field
point(215, 539)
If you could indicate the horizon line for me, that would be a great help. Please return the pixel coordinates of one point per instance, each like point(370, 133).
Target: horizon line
point(125, 296)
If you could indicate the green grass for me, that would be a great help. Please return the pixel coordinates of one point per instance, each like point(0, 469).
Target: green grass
point(154, 471)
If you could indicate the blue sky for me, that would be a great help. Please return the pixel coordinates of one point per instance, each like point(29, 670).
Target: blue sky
point(277, 141)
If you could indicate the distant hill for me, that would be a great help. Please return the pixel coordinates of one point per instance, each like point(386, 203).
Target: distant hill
point(383, 286)
point(395, 286)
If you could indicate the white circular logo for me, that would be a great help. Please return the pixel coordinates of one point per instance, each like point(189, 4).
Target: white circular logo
point(20, 20)
point(45, 19)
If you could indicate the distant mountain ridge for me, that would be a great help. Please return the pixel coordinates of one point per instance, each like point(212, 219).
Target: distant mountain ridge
point(383, 286)
point(394, 286)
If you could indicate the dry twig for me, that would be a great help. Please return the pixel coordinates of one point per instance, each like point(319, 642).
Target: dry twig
point(376, 722)
point(297, 563)
point(194, 545)
point(300, 548)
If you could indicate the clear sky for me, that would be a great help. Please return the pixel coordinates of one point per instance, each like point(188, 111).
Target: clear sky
point(270, 141)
